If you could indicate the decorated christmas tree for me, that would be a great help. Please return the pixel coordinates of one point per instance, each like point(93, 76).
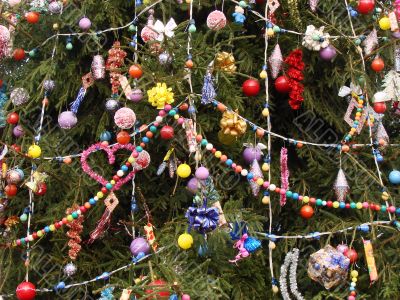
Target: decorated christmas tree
point(166, 149)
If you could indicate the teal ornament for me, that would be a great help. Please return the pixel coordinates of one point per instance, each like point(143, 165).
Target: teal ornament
point(132, 28)
point(105, 136)
point(203, 250)
point(251, 244)
point(32, 53)
point(394, 177)
point(107, 294)
point(243, 4)
point(23, 217)
point(192, 28)
point(69, 46)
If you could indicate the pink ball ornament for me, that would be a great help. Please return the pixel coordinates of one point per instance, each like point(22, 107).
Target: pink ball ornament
point(139, 245)
point(328, 53)
point(148, 34)
point(251, 153)
point(216, 20)
point(202, 173)
point(193, 185)
point(85, 24)
point(18, 131)
point(342, 248)
point(67, 120)
point(136, 95)
point(125, 118)
point(185, 297)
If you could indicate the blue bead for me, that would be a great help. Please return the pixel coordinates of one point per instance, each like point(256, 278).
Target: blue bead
point(353, 205)
point(173, 297)
point(229, 162)
point(352, 288)
point(317, 266)
point(145, 139)
point(60, 285)
point(108, 186)
point(47, 229)
point(383, 208)
point(250, 175)
point(139, 149)
point(140, 255)
point(133, 207)
point(363, 228)
point(295, 196)
point(342, 205)
point(266, 193)
point(398, 211)
point(92, 201)
point(124, 168)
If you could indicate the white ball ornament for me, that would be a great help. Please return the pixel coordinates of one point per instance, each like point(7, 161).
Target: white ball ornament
point(272, 187)
point(209, 146)
point(120, 173)
point(159, 119)
point(244, 172)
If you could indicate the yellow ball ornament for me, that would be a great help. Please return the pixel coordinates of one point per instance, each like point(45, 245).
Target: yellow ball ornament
point(263, 74)
point(354, 273)
point(185, 241)
point(384, 23)
point(265, 167)
point(34, 151)
point(265, 112)
point(184, 171)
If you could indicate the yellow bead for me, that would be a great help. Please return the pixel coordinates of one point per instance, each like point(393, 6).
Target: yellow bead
point(112, 182)
point(354, 279)
point(270, 32)
point(265, 167)
point(100, 195)
point(176, 117)
point(184, 171)
point(131, 159)
point(188, 1)
point(263, 74)
point(336, 204)
point(34, 151)
point(271, 245)
point(260, 181)
point(265, 112)
point(218, 154)
point(138, 280)
point(359, 205)
point(275, 289)
point(354, 273)
point(266, 200)
point(384, 23)
point(55, 26)
point(306, 199)
point(70, 218)
point(39, 233)
point(385, 196)
point(52, 227)
point(185, 241)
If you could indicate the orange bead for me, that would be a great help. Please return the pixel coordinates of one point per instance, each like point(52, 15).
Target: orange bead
point(378, 64)
point(238, 169)
point(67, 160)
point(260, 132)
point(382, 142)
point(221, 107)
point(223, 158)
point(345, 148)
point(123, 137)
point(45, 101)
point(199, 138)
point(19, 54)
point(149, 134)
point(184, 107)
point(87, 205)
point(299, 145)
point(135, 71)
point(189, 64)
point(143, 145)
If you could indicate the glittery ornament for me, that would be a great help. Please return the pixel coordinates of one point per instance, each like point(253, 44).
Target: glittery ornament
point(232, 124)
point(216, 20)
point(125, 118)
point(114, 62)
point(313, 5)
point(55, 7)
point(70, 269)
point(74, 232)
point(371, 42)
point(142, 161)
point(311, 43)
point(165, 58)
point(257, 173)
point(291, 261)
point(225, 62)
point(4, 41)
point(284, 174)
point(341, 187)
point(397, 58)
point(49, 85)
point(98, 67)
point(19, 96)
point(18, 131)
point(275, 61)
point(136, 95)
point(67, 120)
point(13, 177)
point(112, 104)
point(148, 33)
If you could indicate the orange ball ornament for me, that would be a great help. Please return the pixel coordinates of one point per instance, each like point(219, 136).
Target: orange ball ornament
point(221, 107)
point(306, 212)
point(123, 138)
point(135, 71)
point(184, 107)
point(19, 54)
point(10, 190)
point(345, 148)
point(32, 17)
point(378, 64)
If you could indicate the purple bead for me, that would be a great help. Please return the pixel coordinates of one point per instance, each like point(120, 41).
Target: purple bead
point(328, 53)
point(251, 153)
point(192, 185)
point(202, 173)
point(136, 95)
point(18, 131)
point(139, 245)
point(67, 120)
point(85, 23)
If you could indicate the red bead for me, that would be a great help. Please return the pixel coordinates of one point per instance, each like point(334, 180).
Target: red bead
point(135, 71)
point(116, 178)
point(378, 64)
point(379, 107)
point(184, 107)
point(82, 209)
point(372, 206)
point(347, 205)
point(306, 212)
point(329, 203)
point(282, 85)
point(104, 190)
point(16, 147)
point(42, 188)
point(251, 87)
point(128, 164)
point(19, 54)
point(365, 6)
point(312, 200)
point(199, 138)
point(12, 118)
point(351, 254)
point(60, 223)
point(167, 132)
point(18, 242)
point(34, 235)
point(353, 293)
point(277, 190)
point(213, 150)
point(64, 220)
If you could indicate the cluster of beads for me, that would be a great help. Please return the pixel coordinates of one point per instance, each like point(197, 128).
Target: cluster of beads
point(352, 295)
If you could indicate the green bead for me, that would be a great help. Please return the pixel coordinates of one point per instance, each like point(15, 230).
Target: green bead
point(318, 202)
point(132, 28)
point(361, 80)
point(32, 53)
point(276, 29)
point(315, 37)
point(289, 194)
point(385, 39)
point(357, 42)
point(383, 208)
point(243, 4)
point(74, 215)
point(353, 205)
point(192, 28)
point(153, 129)
point(69, 46)
point(23, 217)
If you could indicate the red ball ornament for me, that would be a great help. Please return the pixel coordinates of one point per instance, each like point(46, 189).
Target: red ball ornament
point(10, 190)
point(135, 71)
point(32, 17)
point(19, 54)
point(123, 137)
point(167, 132)
point(306, 211)
point(351, 254)
point(12, 118)
point(282, 85)
point(41, 189)
point(379, 107)
point(16, 147)
point(251, 87)
point(161, 286)
point(378, 64)
point(26, 291)
point(365, 6)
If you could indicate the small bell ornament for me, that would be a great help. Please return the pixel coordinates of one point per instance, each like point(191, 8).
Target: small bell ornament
point(341, 187)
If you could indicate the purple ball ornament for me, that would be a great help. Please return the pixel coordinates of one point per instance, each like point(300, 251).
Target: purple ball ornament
point(67, 120)
point(18, 131)
point(85, 24)
point(202, 173)
point(139, 245)
point(328, 53)
point(251, 153)
point(193, 185)
point(396, 34)
point(136, 95)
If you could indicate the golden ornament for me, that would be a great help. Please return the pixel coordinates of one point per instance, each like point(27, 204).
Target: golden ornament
point(225, 62)
point(232, 124)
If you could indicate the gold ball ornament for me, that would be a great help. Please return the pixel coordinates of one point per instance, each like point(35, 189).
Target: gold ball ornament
point(385, 196)
point(270, 32)
point(185, 241)
point(225, 62)
point(34, 151)
point(184, 171)
point(384, 23)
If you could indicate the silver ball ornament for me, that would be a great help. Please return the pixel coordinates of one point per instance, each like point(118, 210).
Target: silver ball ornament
point(165, 58)
point(70, 269)
point(19, 96)
point(67, 120)
point(112, 104)
point(49, 85)
point(55, 7)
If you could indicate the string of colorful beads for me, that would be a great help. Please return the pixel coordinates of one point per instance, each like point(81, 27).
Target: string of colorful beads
point(353, 294)
point(357, 118)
